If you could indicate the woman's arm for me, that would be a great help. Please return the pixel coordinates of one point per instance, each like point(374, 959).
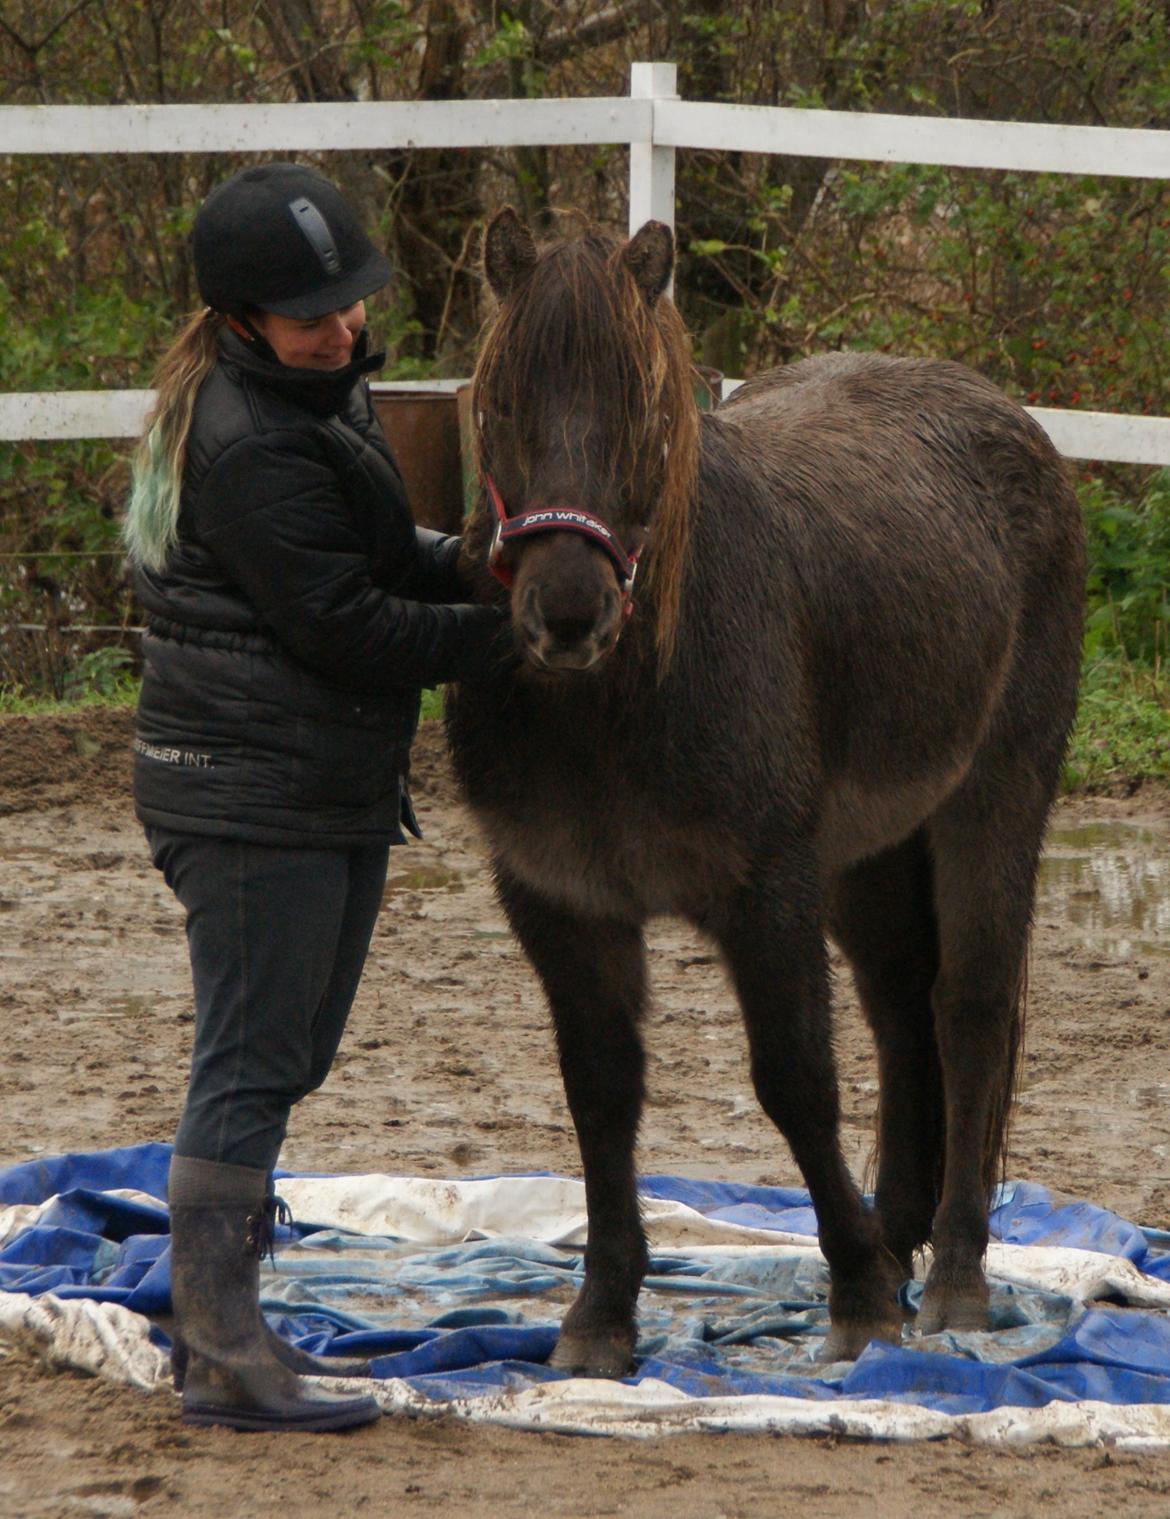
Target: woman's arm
point(272, 514)
point(434, 576)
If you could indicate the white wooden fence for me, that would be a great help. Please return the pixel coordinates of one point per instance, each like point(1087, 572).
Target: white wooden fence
point(652, 121)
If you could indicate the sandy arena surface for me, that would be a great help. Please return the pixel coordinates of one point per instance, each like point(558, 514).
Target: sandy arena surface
point(448, 1069)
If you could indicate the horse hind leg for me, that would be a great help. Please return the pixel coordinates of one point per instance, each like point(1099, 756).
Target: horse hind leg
point(882, 915)
point(774, 947)
point(985, 845)
point(593, 973)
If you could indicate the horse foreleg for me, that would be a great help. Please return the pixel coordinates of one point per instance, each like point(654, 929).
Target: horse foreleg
point(593, 972)
point(776, 952)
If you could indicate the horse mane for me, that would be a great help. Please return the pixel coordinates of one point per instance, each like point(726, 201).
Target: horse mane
point(581, 310)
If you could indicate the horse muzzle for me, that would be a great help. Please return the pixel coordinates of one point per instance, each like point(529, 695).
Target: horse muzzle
point(571, 581)
point(566, 630)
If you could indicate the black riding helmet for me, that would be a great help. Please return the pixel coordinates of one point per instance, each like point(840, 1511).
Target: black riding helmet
point(282, 238)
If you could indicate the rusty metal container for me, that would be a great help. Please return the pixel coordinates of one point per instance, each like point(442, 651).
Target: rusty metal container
point(467, 448)
point(422, 428)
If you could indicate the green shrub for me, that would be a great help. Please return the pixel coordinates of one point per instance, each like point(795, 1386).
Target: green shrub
point(1128, 590)
point(1122, 732)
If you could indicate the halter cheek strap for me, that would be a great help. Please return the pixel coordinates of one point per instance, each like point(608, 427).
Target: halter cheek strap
point(556, 519)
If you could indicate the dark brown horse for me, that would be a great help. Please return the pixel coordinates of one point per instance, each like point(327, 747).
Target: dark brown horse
point(839, 707)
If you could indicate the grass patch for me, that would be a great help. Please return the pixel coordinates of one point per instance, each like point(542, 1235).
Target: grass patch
point(432, 705)
point(125, 694)
point(12, 704)
point(1123, 726)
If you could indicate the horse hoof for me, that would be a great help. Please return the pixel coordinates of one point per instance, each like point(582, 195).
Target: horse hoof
point(845, 1342)
point(952, 1310)
point(609, 1356)
point(953, 1304)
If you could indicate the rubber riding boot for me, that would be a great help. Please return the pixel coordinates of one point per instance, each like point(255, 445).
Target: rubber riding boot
point(303, 1362)
point(219, 1224)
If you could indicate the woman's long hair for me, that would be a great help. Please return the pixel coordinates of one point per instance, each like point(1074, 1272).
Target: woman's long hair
point(151, 528)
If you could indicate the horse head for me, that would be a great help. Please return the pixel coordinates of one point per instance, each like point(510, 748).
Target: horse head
point(586, 434)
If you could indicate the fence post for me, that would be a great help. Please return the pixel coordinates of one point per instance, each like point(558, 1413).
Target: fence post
point(652, 168)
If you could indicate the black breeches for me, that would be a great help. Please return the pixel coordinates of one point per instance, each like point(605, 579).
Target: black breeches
point(278, 938)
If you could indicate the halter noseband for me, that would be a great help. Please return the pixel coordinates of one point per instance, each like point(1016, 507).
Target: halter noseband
point(554, 519)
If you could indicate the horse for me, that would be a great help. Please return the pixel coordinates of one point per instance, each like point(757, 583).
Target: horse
point(797, 668)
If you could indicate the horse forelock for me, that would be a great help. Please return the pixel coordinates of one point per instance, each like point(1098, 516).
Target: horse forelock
point(577, 339)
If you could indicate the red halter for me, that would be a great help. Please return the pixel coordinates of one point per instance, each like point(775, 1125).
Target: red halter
point(552, 519)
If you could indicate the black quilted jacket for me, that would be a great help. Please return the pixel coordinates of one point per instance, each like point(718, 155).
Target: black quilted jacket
point(296, 620)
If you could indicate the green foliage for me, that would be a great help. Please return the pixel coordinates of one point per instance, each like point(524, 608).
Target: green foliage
point(432, 705)
point(95, 337)
point(1055, 288)
point(1123, 723)
point(105, 675)
point(1128, 611)
point(510, 43)
point(1122, 732)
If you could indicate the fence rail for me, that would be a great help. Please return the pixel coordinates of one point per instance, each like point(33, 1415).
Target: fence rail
point(55, 415)
point(652, 122)
point(309, 128)
point(1026, 147)
point(48, 415)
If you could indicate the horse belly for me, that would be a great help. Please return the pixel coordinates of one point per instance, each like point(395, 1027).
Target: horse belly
point(906, 729)
point(631, 868)
point(859, 821)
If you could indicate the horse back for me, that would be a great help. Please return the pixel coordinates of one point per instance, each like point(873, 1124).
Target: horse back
point(911, 544)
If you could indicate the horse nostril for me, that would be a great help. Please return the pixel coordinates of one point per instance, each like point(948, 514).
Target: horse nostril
point(570, 631)
point(531, 623)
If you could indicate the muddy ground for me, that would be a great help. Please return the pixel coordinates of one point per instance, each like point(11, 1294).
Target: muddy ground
point(448, 1069)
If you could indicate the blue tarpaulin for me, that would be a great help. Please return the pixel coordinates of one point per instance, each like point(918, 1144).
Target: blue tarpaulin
point(460, 1310)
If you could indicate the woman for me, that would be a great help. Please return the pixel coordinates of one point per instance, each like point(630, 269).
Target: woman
point(294, 612)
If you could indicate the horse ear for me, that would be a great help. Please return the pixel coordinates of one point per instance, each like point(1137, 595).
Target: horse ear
point(649, 256)
point(508, 252)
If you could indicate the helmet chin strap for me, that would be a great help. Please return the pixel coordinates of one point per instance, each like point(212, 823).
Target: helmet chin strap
point(242, 323)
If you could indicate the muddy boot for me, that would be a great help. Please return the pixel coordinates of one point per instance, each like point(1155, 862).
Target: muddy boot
point(219, 1225)
point(303, 1362)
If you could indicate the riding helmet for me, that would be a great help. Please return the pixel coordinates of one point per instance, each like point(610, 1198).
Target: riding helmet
point(282, 237)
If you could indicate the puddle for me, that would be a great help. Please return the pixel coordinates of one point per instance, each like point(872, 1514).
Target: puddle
point(130, 1006)
point(423, 878)
point(1111, 881)
point(118, 1007)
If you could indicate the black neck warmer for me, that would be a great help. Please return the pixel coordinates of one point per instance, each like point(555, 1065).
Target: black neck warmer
point(321, 391)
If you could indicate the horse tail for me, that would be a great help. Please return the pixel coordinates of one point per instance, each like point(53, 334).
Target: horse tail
point(1002, 1105)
